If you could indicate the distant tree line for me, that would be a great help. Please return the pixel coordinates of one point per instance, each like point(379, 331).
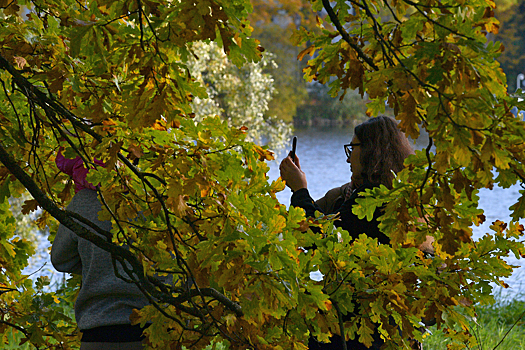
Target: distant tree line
point(511, 34)
point(309, 104)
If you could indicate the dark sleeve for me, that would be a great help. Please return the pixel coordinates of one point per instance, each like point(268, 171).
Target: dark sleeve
point(350, 222)
point(301, 199)
point(347, 219)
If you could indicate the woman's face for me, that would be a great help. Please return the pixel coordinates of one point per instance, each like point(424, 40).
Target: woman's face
point(355, 161)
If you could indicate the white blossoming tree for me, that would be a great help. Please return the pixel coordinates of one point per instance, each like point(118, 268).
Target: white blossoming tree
point(238, 95)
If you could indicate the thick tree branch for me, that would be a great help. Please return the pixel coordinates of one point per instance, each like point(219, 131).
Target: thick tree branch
point(18, 328)
point(119, 253)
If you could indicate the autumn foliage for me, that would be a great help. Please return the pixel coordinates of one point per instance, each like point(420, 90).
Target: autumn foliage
point(207, 240)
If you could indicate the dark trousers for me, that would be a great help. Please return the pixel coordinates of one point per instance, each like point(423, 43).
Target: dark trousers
point(136, 345)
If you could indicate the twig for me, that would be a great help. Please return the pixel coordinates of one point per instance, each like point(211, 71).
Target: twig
point(506, 334)
point(435, 22)
point(6, 6)
point(20, 125)
point(341, 323)
point(18, 328)
point(139, 4)
point(427, 176)
point(346, 37)
point(7, 290)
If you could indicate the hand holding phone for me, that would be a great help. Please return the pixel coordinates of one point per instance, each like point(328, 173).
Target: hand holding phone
point(294, 146)
point(294, 177)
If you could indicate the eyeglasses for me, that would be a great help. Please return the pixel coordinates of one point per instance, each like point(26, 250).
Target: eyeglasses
point(348, 150)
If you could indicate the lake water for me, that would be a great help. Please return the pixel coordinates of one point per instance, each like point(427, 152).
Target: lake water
point(323, 159)
point(324, 162)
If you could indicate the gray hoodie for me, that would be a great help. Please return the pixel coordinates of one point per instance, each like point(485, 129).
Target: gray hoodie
point(103, 299)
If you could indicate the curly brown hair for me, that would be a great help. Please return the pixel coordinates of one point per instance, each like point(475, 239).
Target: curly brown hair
point(383, 149)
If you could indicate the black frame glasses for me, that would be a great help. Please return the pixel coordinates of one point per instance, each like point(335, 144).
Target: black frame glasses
point(348, 150)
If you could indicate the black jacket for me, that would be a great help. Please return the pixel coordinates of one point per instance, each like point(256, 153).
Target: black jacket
point(355, 226)
point(347, 220)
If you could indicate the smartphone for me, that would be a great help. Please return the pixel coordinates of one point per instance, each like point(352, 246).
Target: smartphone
point(294, 146)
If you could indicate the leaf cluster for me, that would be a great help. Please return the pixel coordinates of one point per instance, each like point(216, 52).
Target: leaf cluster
point(194, 219)
point(432, 64)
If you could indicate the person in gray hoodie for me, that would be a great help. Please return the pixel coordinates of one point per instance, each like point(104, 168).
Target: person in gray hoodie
point(105, 302)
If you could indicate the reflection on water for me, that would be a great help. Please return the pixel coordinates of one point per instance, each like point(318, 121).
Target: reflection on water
point(323, 159)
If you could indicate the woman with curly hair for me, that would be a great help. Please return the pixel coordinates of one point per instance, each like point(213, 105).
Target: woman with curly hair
point(375, 154)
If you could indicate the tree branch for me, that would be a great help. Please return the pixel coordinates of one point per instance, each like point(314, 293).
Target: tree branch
point(346, 37)
point(417, 7)
point(341, 323)
point(510, 329)
point(150, 286)
point(119, 253)
point(18, 328)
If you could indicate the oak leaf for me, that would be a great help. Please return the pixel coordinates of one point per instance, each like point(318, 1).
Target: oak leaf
point(20, 62)
point(29, 206)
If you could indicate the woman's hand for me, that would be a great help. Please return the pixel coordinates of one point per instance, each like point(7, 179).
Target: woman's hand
point(292, 174)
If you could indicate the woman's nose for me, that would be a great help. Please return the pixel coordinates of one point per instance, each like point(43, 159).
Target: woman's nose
point(348, 160)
